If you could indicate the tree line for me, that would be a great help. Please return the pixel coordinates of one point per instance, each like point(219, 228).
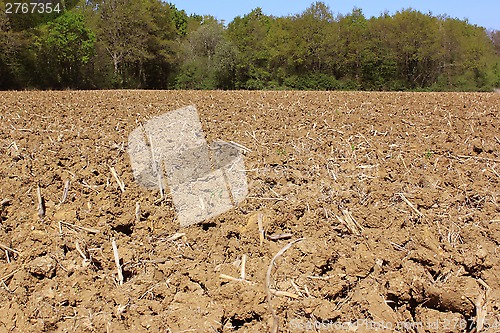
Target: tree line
point(150, 44)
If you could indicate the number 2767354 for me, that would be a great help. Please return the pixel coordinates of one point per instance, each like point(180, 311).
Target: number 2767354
point(32, 7)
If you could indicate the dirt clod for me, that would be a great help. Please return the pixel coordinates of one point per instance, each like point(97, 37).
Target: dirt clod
point(42, 267)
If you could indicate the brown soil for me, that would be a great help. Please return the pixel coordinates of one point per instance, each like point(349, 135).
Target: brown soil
point(418, 172)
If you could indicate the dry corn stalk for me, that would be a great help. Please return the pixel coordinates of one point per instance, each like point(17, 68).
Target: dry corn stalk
point(41, 206)
point(351, 224)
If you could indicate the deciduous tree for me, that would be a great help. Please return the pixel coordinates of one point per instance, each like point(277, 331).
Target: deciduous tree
point(63, 47)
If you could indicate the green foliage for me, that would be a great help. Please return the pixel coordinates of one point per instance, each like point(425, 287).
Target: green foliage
point(311, 36)
point(69, 40)
point(63, 47)
point(180, 19)
point(137, 42)
point(151, 44)
point(195, 75)
point(280, 152)
point(248, 34)
point(350, 45)
point(317, 81)
point(208, 58)
point(225, 61)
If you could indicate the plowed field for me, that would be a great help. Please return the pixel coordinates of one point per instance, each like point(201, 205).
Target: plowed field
point(394, 195)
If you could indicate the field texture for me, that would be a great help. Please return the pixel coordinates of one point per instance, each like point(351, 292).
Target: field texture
point(395, 197)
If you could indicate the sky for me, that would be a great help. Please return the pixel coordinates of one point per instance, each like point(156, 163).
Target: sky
point(485, 13)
